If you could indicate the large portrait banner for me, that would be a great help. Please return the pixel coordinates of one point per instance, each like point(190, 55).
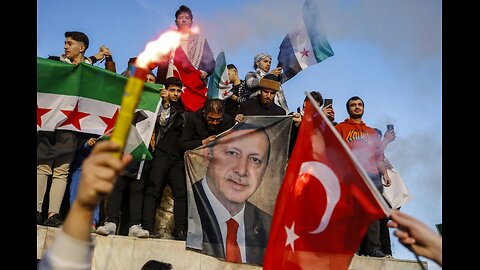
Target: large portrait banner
point(232, 186)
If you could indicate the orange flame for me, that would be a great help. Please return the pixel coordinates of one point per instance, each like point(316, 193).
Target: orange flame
point(154, 50)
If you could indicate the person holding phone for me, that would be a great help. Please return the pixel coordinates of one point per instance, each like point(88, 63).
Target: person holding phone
point(298, 115)
point(261, 64)
point(366, 145)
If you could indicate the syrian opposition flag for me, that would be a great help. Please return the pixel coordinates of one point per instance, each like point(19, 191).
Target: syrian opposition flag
point(219, 85)
point(306, 44)
point(325, 203)
point(86, 99)
point(194, 89)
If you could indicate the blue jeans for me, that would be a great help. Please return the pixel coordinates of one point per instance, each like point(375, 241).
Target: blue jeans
point(73, 193)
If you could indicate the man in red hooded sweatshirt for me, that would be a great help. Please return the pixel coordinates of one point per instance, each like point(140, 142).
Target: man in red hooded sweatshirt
point(366, 146)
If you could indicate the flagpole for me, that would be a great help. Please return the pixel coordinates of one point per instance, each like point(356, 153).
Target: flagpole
point(418, 259)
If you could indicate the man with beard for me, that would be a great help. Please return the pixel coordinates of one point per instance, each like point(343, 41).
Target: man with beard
point(262, 104)
point(203, 125)
point(367, 147)
point(261, 66)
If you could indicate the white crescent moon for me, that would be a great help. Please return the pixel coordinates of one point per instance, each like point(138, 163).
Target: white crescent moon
point(331, 184)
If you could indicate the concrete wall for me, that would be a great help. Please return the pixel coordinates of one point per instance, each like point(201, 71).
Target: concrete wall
point(117, 252)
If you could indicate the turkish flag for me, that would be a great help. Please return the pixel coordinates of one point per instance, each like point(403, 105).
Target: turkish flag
point(325, 203)
point(194, 89)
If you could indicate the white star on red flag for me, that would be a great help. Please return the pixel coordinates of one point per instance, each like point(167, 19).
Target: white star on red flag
point(291, 236)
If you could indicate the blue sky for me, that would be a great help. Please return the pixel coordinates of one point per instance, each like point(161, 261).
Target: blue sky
point(387, 52)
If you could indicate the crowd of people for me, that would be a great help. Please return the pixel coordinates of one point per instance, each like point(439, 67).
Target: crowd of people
point(68, 159)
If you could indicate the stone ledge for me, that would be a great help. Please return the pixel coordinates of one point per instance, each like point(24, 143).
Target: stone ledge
point(118, 252)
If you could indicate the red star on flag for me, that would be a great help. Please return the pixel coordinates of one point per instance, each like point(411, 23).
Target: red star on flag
point(40, 112)
point(304, 52)
point(110, 121)
point(73, 117)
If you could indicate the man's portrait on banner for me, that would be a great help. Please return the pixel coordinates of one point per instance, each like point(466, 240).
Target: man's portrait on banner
point(232, 226)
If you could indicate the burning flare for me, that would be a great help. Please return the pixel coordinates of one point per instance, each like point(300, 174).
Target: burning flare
point(155, 50)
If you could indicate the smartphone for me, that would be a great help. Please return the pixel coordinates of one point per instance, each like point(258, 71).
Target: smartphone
point(328, 101)
point(389, 127)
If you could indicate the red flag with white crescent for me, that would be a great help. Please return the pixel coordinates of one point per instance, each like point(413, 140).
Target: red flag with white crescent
point(325, 204)
point(194, 89)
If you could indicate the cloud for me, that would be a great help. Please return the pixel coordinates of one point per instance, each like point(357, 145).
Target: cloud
point(245, 25)
point(418, 159)
point(406, 30)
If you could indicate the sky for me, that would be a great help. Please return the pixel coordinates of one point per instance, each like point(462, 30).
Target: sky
point(387, 52)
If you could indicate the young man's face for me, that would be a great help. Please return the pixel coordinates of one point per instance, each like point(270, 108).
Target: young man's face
point(232, 74)
point(183, 22)
point(267, 96)
point(355, 108)
point(237, 166)
point(174, 93)
point(73, 48)
point(264, 64)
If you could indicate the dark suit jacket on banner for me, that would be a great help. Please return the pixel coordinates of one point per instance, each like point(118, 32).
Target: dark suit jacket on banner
point(257, 227)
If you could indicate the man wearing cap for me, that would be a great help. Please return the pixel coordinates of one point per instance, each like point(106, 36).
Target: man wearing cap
point(262, 104)
point(261, 64)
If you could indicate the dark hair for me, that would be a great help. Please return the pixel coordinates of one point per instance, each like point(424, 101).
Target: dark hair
point(156, 265)
point(173, 81)
point(230, 66)
point(354, 98)
point(78, 36)
point(132, 60)
point(214, 105)
point(379, 132)
point(185, 9)
point(317, 97)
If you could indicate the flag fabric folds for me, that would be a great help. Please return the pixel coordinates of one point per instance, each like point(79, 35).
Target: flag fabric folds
point(306, 44)
point(194, 88)
point(86, 99)
point(219, 85)
point(325, 204)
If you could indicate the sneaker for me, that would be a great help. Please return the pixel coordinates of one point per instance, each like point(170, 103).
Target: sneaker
point(53, 221)
point(107, 228)
point(39, 218)
point(138, 231)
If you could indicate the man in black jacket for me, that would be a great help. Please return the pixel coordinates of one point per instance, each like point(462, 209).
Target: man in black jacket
point(203, 125)
point(262, 104)
point(167, 165)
